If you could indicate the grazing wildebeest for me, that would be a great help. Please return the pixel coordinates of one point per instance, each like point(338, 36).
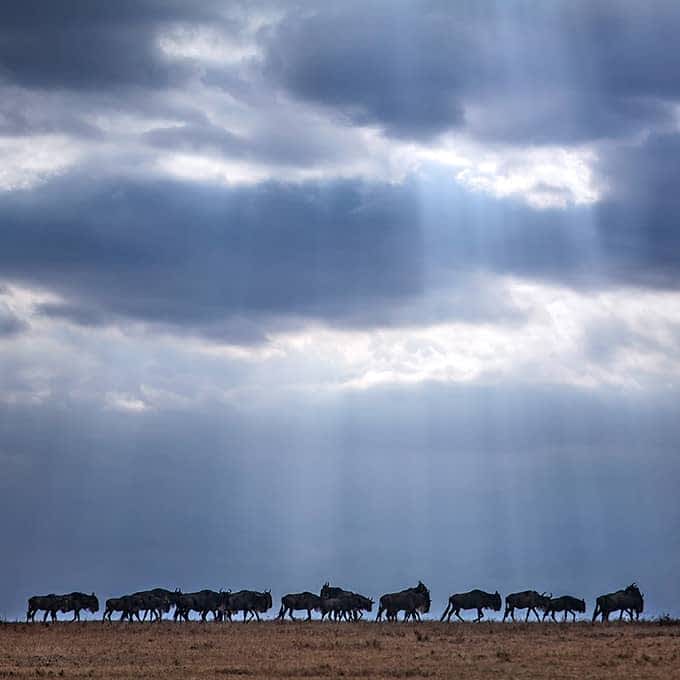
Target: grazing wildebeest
point(128, 606)
point(411, 601)
point(249, 602)
point(299, 602)
point(346, 604)
point(566, 604)
point(527, 599)
point(475, 599)
point(628, 600)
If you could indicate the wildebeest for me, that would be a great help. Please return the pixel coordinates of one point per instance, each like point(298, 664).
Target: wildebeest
point(475, 599)
point(51, 604)
point(412, 601)
point(630, 599)
point(128, 606)
point(79, 601)
point(343, 603)
point(249, 602)
point(202, 602)
point(566, 604)
point(157, 601)
point(299, 602)
point(527, 599)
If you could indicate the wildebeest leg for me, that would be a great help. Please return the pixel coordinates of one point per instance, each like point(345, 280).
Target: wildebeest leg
point(244, 616)
point(459, 617)
point(292, 618)
point(446, 611)
point(526, 618)
point(508, 610)
point(309, 615)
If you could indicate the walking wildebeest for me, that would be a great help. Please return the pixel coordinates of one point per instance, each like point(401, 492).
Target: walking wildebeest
point(128, 606)
point(299, 602)
point(159, 600)
point(475, 599)
point(628, 600)
point(346, 604)
point(566, 604)
point(79, 601)
point(249, 602)
point(50, 604)
point(527, 599)
point(411, 601)
point(202, 602)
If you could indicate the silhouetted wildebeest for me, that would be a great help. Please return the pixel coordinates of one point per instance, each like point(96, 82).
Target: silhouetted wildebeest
point(628, 600)
point(202, 602)
point(412, 601)
point(127, 605)
point(346, 604)
point(566, 604)
point(159, 601)
point(299, 602)
point(247, 601)
point(71, 602)
point(79, 601)
point(475, 599)
point(50, 604)
point(527, 599)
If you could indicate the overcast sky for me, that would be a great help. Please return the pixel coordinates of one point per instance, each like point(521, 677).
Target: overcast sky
point(367, 292)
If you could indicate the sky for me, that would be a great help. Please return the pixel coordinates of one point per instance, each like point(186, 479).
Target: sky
point(360, 292)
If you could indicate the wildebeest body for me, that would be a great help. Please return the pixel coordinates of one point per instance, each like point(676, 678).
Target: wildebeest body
point(247, 601)
point(299, 602)
point(566, 604)
point(411, 601)
point(527, 599)
point(474, 599)
point(628, 600)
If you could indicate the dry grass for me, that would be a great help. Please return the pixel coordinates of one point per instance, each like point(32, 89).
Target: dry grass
point(364, 650)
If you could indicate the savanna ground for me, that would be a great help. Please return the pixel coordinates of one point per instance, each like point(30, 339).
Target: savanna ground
point(325, 650)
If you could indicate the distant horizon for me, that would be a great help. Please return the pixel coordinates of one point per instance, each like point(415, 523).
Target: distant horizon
point(385, 290)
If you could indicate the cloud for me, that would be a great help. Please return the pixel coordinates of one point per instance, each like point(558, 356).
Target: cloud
point(559, 73)
point(10, 323)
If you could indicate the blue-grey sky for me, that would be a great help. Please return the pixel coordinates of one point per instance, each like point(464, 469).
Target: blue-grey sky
point(367, 292)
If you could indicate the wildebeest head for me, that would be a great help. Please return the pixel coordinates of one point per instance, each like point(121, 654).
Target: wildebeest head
point(581, 606)
point(544, 600)
point(268, 598)
point(93, 603)
point(634, 593)
point(496, 602)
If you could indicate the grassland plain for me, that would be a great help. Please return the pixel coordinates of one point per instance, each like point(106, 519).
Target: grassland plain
point(328, 650)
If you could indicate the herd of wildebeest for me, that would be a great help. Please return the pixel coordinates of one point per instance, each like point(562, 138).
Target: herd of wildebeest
point(335, 603)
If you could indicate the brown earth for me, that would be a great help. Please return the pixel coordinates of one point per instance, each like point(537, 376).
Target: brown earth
point(325, 650)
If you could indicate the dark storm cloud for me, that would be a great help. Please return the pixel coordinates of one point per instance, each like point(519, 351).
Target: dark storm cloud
point(186, 254)
point(638, 222)
point(550, 73)
point(10, 324)
point(85, 45)
point(233, 262)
